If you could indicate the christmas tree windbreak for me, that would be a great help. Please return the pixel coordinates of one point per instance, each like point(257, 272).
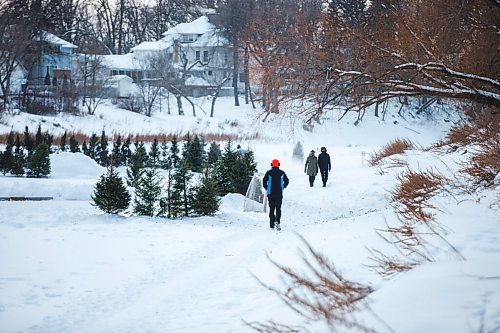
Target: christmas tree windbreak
point(255, 198)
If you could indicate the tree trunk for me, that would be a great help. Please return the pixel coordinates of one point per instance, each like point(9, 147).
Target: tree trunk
point(235, 70)
point(179, 104)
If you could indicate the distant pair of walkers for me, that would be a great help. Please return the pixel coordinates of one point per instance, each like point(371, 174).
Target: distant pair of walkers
point(321, 163)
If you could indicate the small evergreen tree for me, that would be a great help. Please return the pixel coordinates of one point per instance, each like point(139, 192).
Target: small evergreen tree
point(148, 193)
point(154, 155)
point(165, 162)
point(17, 166)
point(134, 170)
point(19, 151)
point(206, 200)
point(62, 144)
point(92, 149)
point(214, 154)
point(298, 152)
point(116, 157)
point(48, 139)
point(125, 152)
point(39, 137)
point(110, 194)
point(224, 170)
point(140, 150)
point(85, 149)
point(74, 147)
point(193, 155)
point(39, 163)
point(7, 158)
point(29, 143)
point(180, 199)
point(166, 202)
point(175, 160)
point(102, 150)
point(244, 169)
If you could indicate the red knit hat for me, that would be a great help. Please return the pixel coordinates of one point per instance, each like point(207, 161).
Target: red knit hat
point(275, 163)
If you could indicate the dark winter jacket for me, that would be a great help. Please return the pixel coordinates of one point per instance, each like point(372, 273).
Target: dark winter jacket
point(275, 180)
point(324, 161)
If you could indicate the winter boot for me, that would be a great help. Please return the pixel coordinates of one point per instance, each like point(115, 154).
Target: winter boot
point(277, 227)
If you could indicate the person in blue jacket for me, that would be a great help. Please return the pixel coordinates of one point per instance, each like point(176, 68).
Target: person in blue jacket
point(275, 180)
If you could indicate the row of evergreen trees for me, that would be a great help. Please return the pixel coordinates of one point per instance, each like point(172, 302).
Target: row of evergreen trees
point(27, 155)
point(182, 190)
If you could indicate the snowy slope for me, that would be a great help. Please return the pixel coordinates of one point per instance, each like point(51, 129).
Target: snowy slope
point(66, 267)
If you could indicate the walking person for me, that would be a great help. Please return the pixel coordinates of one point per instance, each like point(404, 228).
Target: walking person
point(275, 180)
point(311, 167)
point(324, 164)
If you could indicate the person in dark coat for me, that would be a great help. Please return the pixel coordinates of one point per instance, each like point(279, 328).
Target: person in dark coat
point(275, 180)
point(311, 167)
point(324, 164)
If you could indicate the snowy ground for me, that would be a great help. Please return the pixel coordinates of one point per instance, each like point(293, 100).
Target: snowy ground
point(66, 267)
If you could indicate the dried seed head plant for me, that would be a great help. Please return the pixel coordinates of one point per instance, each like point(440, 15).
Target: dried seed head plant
point(397, 146)
point(323, 294)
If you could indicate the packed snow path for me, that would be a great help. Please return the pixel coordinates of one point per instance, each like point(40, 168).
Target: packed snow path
point(66, 267)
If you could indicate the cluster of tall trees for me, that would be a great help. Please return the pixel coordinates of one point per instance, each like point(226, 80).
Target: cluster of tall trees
point(314, 52)
point(321, 54)
point(193, 183)
point(26, 154)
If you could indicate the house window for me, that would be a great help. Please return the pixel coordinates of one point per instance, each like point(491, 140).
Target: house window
point(205, 56)
point(198, 55)
point(188, 38)
point(114, 72)
point(210, 73)
point(242, 77)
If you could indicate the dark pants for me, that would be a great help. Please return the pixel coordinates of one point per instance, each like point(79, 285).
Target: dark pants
point(311, 180)
point(324, 175)
point(274, 205)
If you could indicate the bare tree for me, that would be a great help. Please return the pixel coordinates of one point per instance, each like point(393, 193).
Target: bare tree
point(90, 81)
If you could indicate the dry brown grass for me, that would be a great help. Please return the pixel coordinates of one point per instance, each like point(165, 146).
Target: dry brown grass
point(483, 166)
point(397, 146)
point(387, 266)
point(80, 137)
point(413, 193)
point(323, 294)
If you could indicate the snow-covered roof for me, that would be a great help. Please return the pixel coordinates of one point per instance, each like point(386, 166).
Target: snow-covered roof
point(151, 46)
point(53, 39)
point(197, 81)
point(121, 61)
point(199, 26)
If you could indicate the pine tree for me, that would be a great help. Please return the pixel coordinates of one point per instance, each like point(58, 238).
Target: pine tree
point(214, 154)
point(110, 194)
point(185, 148)
point(73, 144)
point(92, 149)
point(140, 150)
point(29, 143)
point(148, 193)
point(39, 137)
point(165, 162)
point(298, 152)
point(224, 170)
point(206, 200)
point(7, 159)
point(175, 160)
point(48, 139)
point(134, 170)
point(85, 150)
point(102, 150)
point(181, 193)
point(154, 155)
point(39, 163)
point(116, 157)
point(244, 169)
point(19, 151)
point(125, 152)
point(17, 166)
point(166, 202)
point(62, 145)
point(194, 154)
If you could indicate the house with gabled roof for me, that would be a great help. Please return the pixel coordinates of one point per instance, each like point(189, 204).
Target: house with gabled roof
point(194, 48)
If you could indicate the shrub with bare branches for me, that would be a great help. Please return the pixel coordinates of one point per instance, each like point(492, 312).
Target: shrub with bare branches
point(323, 295)
point(413, 194)
point(397, 146)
